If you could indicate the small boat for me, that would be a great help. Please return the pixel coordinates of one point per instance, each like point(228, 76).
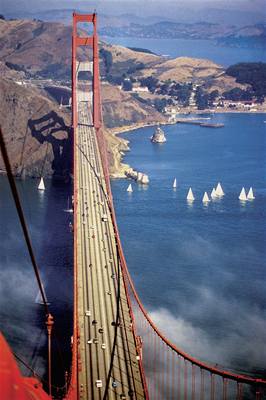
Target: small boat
point(129, 189)
point(69, 210)
point(174, 184)
point(250, 195)
point(205, 198)
point(242, 195)
point(41, 185)
point(219, 190)
point(190, 196)
point(213, 193)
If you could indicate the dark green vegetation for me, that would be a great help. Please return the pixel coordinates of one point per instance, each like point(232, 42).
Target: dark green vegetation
point(178, 91)
point(204, 99)
point(253, 74)
point(107, 59)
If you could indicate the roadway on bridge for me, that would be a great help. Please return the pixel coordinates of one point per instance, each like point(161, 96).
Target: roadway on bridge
point(98, 279)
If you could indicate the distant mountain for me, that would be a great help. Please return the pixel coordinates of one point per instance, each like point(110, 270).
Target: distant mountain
point(251, 35)
point(169, 30)
point(248, 36)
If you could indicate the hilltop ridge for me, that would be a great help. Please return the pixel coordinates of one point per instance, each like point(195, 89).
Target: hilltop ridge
point(137, 86)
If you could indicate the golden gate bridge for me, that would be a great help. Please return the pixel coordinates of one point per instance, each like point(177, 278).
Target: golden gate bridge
point(117, 350)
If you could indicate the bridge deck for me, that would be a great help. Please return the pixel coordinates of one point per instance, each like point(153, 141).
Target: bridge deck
point(98, 278)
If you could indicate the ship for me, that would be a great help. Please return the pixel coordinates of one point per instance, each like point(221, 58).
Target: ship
point(158, 136)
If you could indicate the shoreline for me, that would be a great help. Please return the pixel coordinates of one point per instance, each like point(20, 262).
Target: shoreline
point(122, 145)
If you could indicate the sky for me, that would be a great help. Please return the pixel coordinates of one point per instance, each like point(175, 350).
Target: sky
point(226, 12)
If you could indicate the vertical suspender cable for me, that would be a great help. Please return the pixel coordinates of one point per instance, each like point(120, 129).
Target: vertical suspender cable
point(185, 379)
point(202, 388)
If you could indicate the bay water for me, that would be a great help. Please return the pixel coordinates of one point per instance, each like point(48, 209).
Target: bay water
point(200, 269)
point(22, 316)
point(197, 48)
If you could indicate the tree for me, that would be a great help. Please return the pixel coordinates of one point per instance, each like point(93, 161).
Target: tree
point(160, 104)
point(253, 74)
point(237, 94)
point(202, 99)
point(150, 82)
point(107, 59)
point(127, 85)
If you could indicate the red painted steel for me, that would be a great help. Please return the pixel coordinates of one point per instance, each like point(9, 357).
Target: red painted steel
point(13, 386)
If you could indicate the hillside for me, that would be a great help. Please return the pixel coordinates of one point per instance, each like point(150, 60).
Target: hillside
point(44, 49)
point(32, 51)
point(36, 47)
point(33, 147)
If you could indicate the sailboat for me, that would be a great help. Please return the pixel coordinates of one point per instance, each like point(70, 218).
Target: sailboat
point(23, 174)
point(205, 198)
point(69, 210)
point(242, 195)
point(129, 189)
point(213, 193)
point(41, 185)
point(250, 195)
point(39, 299)
point(190, 196)
point(219, 190)
point(174, 184)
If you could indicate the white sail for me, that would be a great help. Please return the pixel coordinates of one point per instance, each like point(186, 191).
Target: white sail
point(23, 174)
point(213, 193)
point(250, 195)
point(41, 185)
point(174, 184)
point(39, 299)
point(190, 196)
point(205, 198)
point(129, 189)
point(219, 190)
point(69, 209)
point(242, 195)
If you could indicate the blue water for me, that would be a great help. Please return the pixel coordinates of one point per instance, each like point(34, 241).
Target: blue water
point(208, 49)
point(22, 319)
point(200, 270)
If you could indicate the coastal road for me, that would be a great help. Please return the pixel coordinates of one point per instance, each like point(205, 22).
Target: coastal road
point(101, 291)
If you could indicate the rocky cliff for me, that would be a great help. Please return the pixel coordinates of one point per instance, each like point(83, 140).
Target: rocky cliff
point(36, 131)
